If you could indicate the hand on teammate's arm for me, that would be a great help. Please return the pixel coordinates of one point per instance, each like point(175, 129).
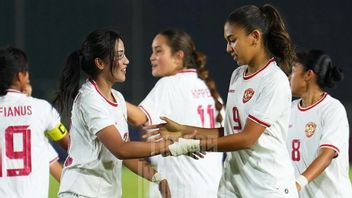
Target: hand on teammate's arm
point(208, 139)
point(326, 155)
point(173, 130)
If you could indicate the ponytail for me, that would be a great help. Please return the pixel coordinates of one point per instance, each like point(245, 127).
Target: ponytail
point(268, 20)
point(203, 74)
point(69, 82)
point(97, 44)
point(277, 38)
point(321, 64)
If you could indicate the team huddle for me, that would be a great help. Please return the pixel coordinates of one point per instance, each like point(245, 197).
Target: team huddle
point(275, 147)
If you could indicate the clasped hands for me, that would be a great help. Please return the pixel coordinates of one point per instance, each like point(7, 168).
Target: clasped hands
point(183, 142)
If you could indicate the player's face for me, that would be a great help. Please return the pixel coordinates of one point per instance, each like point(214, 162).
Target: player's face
point(297, 80)
point(163, 62)
point(23, 80)
point(120, 61)
point(239, 44)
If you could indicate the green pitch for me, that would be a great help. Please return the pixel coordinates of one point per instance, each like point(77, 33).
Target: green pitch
point(132, 185)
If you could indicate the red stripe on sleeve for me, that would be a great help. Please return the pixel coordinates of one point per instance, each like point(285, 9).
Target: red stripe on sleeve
point(147, 114)
point(54, 160)
point(258, 121)
point(330, 146)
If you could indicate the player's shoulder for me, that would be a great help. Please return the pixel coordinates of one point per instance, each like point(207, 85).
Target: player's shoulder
point(39, 102)
point(238, 73)
point(239, 70)
point(332, 103)
point(166, 82)
point(274, 72)
point(87, 91)
point(118, 94)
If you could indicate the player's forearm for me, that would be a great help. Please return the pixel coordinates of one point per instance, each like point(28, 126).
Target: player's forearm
point(245, 139)
point(135, 115)
point(131, 150)
point(205, 132)
point(140, 167)
point(228, 143)
point(56, 170)
point(323, 160)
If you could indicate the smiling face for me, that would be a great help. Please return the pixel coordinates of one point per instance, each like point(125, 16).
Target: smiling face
point(120, 61)
point(163, 61)
point(240, 44)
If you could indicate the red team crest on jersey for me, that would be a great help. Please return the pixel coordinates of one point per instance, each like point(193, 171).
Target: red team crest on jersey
point(310, 129)
point(248, 94)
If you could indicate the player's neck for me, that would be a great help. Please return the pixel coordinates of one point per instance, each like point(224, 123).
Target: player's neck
point(15, 87)
point(311, 98)
point(104, 88)
point(257, 63)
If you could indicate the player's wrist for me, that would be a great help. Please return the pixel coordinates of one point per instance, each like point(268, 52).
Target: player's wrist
point(187, 130)
point(184, 146)
point(302, 181)
point(157, 178)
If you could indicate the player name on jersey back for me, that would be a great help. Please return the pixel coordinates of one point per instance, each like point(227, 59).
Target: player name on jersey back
point(12, 111)
point(204, 93)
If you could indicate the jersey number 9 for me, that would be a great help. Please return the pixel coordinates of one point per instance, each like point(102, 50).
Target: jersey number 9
point(16, 152)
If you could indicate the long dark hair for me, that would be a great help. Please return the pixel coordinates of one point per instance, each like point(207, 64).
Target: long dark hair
point(98, 44)
point(12, 61)
point(180, 40)
point(321, 64)
point(267, 20)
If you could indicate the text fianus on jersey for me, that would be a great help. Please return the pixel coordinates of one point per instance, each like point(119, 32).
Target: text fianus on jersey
point(12, 111)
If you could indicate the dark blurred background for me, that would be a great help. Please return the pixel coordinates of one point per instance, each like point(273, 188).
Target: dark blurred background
point(49, 30)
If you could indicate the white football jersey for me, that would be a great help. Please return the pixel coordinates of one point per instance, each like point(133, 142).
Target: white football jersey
point(25, 152)
point(91, 170)
point(265, 169)
point(186, 99)
point(321, 125)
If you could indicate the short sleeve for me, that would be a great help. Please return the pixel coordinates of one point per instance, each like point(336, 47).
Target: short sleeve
point(157, 103)
point(95, 113)
point(335, 127)
point(52, 117)
point(272, 101)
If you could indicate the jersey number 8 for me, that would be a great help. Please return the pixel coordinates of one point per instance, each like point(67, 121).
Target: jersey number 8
point(296, 144)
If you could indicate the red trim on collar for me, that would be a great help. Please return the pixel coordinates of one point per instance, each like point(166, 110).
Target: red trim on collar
point(255, 73)
point(97, 88)
point(191, 70)
point(313, 105)
point(13, 91)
